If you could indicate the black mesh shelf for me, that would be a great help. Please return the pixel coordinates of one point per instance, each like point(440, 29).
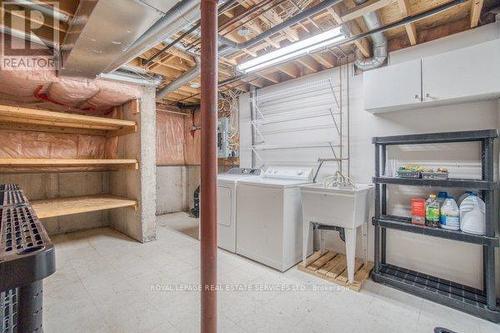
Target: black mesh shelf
point(26, 258)
point(12, 198)
point(9, 187)
point(404, 224)
point(458, 183)
point(448, 137)
point(446, 292)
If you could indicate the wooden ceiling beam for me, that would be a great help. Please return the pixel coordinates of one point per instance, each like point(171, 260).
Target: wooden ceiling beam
point(411, 29)
point(289, 69)
point(168, 73)
point(353, 28)
point(360, 10)
point(325, 59)
point(254, 81)
point(309, 62)
point(475, 14)
point(270, 76)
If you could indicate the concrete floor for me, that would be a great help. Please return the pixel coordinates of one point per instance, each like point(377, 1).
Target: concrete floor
point(105, 282)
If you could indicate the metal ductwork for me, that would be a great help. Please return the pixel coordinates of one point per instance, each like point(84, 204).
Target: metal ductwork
point(182, 15)
point(378, 40)
point(180, 81)
point(97, 35)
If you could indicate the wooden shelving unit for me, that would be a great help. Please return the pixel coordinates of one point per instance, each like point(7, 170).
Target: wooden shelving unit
point(68, 162)
point(12, 117)
point(77, 205)
point(26, 119)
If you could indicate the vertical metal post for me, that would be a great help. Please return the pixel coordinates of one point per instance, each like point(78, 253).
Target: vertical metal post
point(252, 118)
point(383, 240)
point(341, 110)
point(208, 222)
point(377, 211)
point(348, 120)
point(489, 251)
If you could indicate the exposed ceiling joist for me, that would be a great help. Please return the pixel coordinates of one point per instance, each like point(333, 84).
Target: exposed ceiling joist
point(290, 69)
point(270, 76)
point(367, 7)
point(477, 6)
point(309, 63)
point(354, 29)
point(325, 59)
point(411, 29)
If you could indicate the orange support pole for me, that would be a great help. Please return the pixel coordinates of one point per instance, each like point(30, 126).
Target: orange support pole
point(208, 203)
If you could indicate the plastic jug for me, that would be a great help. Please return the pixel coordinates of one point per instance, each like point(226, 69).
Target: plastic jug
point(432, 211)
point(450, 215)
point(472, 215)
point(441, 197)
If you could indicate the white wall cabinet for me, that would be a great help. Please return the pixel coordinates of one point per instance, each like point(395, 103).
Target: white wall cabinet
point(467, 74)
point(396, 86)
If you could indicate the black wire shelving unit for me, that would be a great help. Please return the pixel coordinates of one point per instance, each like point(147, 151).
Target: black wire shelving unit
point(482, 303)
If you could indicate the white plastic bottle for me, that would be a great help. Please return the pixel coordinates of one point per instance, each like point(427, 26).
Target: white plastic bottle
point(472, 215)
point(450, 215)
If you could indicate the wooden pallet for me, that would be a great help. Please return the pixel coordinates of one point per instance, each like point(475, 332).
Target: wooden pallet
point(331, 266)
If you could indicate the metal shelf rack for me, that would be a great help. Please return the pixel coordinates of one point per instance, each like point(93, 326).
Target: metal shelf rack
point(481, 303)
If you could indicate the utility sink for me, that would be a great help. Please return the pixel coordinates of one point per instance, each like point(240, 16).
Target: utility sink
point(339, 206)
point(346, 207)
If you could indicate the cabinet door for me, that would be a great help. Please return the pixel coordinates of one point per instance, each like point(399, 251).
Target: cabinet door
point(393, 87)
point(464, 74)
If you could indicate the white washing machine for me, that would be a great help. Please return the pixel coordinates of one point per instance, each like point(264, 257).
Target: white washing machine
point(269, 215)
point(226, 205)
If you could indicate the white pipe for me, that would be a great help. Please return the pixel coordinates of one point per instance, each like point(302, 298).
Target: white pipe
point(130, 78)
point(52, 11)
point(31, 38)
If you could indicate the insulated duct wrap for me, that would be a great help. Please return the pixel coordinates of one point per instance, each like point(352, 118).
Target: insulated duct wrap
point(63, 93)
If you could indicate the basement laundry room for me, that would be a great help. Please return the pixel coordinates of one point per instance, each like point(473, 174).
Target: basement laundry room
point(250, 166)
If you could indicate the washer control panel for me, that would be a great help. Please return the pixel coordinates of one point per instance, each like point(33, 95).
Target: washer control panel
point(298, 173)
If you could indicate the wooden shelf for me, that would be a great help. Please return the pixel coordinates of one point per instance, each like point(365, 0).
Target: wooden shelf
point(77, 205)
point(12, 117)
point(48, 162)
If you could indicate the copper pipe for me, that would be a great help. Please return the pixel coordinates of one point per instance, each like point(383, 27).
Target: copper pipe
point(208, 248)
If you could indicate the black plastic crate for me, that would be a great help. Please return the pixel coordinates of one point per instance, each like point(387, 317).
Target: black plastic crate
point(8, 311)
point(26, 258)
point(9, 187)
point(12, 198)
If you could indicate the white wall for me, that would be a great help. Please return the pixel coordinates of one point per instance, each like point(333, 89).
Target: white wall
point(451, 260)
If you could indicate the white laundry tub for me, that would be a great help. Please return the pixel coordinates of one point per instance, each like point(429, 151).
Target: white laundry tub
point(345, 207)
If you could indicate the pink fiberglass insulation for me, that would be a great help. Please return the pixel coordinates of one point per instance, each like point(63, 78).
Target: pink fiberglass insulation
point(170, 138)
point(63, 93)
point(27, 144)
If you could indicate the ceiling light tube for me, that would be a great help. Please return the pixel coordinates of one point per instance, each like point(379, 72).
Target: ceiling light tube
point(293, 50)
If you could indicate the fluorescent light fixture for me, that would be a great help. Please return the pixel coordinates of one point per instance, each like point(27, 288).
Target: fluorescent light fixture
point(293, 50)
